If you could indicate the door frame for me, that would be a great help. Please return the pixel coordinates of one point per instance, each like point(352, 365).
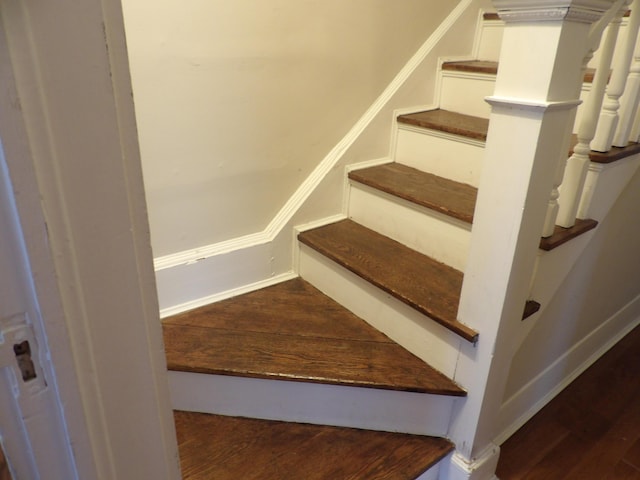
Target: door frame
point(68, 129)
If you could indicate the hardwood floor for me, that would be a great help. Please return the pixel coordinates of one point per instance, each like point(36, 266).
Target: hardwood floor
point(228, 448)
point(591, 431)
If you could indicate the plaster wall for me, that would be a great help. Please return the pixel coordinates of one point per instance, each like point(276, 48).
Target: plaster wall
point(237, 102)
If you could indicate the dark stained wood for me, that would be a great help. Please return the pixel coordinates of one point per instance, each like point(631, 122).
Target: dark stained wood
point(562, 235)
point(489, 67)
point(230, 448)
point(293, 332)
point(475, 66)
point(4, 467)
point(428, 286)
point(616, 153)
point(491, 16)
point(450, 198)
point(449, 122)
point(591, 430)
point(530, 308)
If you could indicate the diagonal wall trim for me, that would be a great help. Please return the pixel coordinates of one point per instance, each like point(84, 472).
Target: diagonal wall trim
point(303, 192)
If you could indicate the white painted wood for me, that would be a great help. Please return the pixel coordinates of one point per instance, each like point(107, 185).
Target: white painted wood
point(433, 473)
point(481, 467)
point(314, 403)
point(531, 398)
point(535, 91)
point(449, 156)
point(69, 139)
point(418, 334)
point(608, 121)
point(629, 101)
point(32, 427)
point(490, 41)
point(464, 92)
point(604, 184)
point(439, 236)
point(576, 169)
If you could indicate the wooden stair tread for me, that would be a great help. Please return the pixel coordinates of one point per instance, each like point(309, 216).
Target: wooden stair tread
point(291, 331)
point(490, 67)
point(449, 122)
point(394, 268)
point(446, 196)
point(231, 448)
point(563, 235)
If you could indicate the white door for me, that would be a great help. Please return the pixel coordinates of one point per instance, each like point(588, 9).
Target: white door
point(31, 427)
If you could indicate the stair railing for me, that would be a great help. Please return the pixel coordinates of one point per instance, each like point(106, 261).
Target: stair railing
point(575, 172)
point(609, 117)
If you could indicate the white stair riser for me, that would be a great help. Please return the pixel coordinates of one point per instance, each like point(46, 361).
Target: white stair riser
point(431, 233)
point(449, 156)
point(423, 337)
point(490, 40)
point(465, 92)
point(320, 404)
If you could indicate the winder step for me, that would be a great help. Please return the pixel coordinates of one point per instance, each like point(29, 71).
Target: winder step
point(291, 331)
point(424, 284)
point(231, 448)
point(445, 196)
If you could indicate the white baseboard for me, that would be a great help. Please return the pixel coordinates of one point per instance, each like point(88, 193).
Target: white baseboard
point(524, 404)
point(206, 300)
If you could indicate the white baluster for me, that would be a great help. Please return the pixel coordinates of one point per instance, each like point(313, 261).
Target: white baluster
point(631, 98)
point(577, 165)
point(608, 121)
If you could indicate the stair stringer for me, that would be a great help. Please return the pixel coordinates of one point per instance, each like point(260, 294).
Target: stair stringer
point(605, 183)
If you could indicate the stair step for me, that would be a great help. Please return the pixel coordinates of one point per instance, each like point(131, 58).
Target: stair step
point(449, 122)
point(232, 448)
point(490, 67)
point(291, 331)
point(394, 268)
point(446, 196)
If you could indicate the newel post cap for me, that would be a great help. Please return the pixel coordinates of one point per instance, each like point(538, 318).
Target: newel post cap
point(586, 11)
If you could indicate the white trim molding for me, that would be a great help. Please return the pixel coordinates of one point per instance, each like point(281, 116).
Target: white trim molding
point(482, 467)
point(518, 409)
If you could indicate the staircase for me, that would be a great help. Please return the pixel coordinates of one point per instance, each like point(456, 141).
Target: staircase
point(346, 372)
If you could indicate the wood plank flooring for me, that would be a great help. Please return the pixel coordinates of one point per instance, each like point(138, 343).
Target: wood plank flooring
point(229, 448)
point(590, 431)
point(455, 199)
point(449, 122)
point(291, 331)
point(393, 267)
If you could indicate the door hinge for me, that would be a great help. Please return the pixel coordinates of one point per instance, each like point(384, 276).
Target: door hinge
point(19, 351)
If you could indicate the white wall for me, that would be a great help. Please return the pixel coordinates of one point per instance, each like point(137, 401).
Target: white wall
point(237, 101)
point(598, 301)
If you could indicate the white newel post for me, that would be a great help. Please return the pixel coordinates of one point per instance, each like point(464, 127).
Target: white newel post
point(536, 93)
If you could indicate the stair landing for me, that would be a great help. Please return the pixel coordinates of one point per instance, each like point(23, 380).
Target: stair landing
point(291, 331)
point(230, 448)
